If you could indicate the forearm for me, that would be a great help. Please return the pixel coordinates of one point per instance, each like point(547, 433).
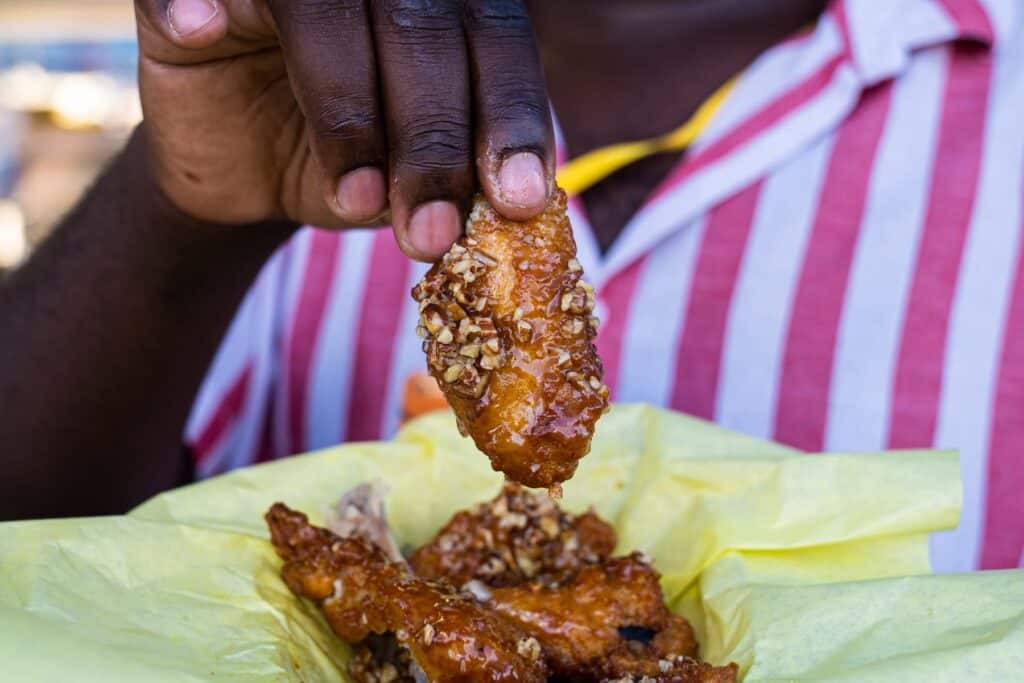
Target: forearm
point(106, 334)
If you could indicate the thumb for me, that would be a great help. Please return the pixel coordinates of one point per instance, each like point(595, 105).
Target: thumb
point(188, 24)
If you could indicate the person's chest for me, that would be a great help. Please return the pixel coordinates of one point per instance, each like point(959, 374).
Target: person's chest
point(864, 292)
point(837, 265)
point(810, 304)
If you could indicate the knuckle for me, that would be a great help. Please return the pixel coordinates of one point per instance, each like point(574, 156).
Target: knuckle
point(527, 114)
point(320, 21)
point(507, 17)
point(437, 142)
point(419, 16)
point(317, 12)
point(346, 119)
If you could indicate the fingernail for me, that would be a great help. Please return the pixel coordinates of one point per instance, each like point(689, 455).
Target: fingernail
point(521, 180)
point(189, 16)
point(433, 228)
point(361, 193)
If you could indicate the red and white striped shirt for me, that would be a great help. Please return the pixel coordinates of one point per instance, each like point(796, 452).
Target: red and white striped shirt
point(837, 264)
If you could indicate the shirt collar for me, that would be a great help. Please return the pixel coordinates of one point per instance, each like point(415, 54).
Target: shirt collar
point(881, 36)
point(870, 41)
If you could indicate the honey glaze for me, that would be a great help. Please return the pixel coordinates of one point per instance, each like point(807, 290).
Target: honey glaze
point(508, 328)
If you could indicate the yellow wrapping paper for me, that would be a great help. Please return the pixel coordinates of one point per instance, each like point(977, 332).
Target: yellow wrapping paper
point(799, 568)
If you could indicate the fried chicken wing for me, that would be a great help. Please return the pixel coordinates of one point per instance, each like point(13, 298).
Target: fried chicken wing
point(509, 335)
point(361, 592)
point(520, 535)
point(683, 670)
point(609, 620)
point(550, 572)
point(557, 604)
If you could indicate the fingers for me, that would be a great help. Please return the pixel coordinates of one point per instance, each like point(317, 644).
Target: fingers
point(187, 24)
point(331, 64)
point(422, 57)
point(514, 137)
point(407, 103)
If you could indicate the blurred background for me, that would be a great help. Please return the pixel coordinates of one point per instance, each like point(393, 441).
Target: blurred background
point(68, 100)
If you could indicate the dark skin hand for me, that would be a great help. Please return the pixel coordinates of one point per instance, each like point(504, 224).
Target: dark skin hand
point(260, 115)
point(268, 114)
point(346, 112)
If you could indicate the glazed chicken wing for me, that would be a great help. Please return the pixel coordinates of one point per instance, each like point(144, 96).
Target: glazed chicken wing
point(519, 536)
point(683, 670)
point(540, 596)
point(448, 637)
point(509, 336)
point(549, 571)
point(610, 620)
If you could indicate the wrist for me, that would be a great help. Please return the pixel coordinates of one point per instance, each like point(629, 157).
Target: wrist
point(178, 253)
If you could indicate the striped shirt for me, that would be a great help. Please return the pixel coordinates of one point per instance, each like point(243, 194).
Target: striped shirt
point(836, 264)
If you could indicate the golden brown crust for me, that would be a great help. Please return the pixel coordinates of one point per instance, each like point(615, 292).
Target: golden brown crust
point(380, 659)
point(519, 536)
point(451, 637)
point(683, 670)
point(584, 625)
point(509, 331)
point(569, 610)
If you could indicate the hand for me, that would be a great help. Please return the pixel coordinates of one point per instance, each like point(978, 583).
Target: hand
point(340, 113)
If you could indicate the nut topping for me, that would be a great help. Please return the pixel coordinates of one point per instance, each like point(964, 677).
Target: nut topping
point(452, 373)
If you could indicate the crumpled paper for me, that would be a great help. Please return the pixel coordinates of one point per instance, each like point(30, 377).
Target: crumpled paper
point(797, 567)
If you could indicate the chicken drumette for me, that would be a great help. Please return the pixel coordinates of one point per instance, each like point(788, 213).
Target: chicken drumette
point(448, 637)
point(551, 572)
point(517, 537)
point(539, 594)
point(508, 329)
point(609, 620)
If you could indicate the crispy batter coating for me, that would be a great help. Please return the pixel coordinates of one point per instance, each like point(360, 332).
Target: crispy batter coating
point(610, 620)
point(561, 606)
point(380, 659)
point(519, 536)
point(509, 335)
point(683, 670)
point(361, 592)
